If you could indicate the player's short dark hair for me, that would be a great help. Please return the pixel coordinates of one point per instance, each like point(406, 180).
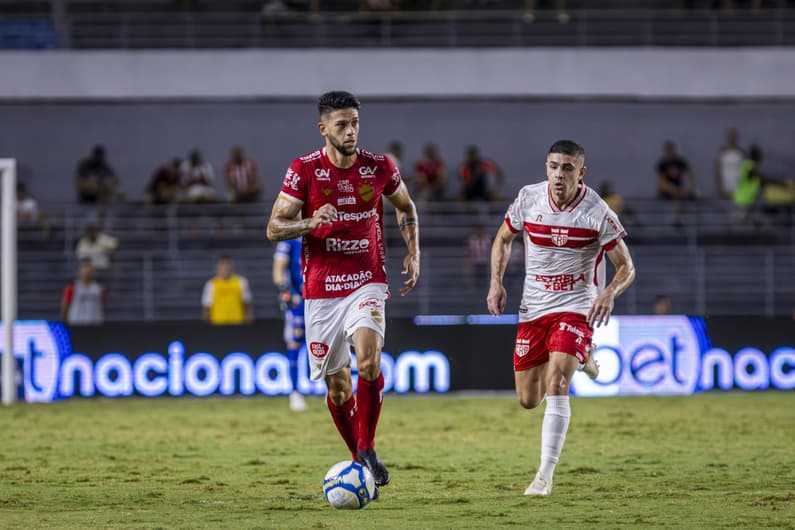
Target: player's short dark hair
point(567, 147)
point(336, 100)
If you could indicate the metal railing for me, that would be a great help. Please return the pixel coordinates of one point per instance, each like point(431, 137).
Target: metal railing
point(150, 25)
point(708, 261)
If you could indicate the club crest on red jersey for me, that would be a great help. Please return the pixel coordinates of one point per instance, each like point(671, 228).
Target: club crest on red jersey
point(366, 192)
point(559, 236)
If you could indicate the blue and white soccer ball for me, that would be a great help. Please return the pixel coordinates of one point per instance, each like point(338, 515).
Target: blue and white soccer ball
point(349, 485)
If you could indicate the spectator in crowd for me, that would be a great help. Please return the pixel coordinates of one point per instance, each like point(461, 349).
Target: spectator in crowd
point(727, 165)
point(775, 193)
point(242, 177)
point(83, 300)
point(481, 178)
point(28, 213)
point(431, 174)
point(97, 247)
point(95, 179)
point(662, 305)
point(164, 186)
point(226, 298)
point(478, 256)
point(197, 179)
point(612, 198)
point(749, 182)
point(675, 180)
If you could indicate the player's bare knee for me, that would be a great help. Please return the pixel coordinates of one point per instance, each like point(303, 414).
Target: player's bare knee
point(557, 385)
point(529, 401)
point(339, 390)
point(368, 368)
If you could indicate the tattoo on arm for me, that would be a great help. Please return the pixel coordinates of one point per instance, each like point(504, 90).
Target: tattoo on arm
point(407, 221)
point(281, 229)
point(409, 227)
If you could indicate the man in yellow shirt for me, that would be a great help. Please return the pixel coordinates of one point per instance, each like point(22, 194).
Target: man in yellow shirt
point(227, 297)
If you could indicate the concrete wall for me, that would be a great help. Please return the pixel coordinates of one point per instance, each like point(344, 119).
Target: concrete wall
point(147, 107)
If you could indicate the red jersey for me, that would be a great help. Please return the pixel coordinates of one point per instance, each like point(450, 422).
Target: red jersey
point(339, 258)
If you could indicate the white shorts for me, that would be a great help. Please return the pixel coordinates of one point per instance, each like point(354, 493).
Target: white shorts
point(331, 322)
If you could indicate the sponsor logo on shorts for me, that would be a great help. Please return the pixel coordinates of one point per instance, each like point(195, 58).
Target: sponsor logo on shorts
point(522, 347)
point(347, 246)
point(370, 302)
point(347, 282)
point(318, 350)
point(350, 200)
point(563, 326)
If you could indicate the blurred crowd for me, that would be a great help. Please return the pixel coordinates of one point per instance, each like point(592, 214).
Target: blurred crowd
point(749, 191)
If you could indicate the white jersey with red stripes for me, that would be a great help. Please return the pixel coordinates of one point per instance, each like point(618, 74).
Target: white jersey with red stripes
point(563, 248)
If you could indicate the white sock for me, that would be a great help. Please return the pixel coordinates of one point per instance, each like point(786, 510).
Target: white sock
point(553, 433)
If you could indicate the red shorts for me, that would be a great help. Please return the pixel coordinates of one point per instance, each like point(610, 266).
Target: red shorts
point(563, 332)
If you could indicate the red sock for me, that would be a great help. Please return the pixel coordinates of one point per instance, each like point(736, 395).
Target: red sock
point(369, 395)
point(347, 421)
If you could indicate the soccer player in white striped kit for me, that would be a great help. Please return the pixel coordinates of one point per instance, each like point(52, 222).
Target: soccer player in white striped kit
point(567, 229)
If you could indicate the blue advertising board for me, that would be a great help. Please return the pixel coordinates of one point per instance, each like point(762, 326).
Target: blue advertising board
point(638, 355)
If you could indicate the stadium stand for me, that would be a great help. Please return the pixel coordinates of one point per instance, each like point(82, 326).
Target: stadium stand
point(709, 267)
point(151, 24)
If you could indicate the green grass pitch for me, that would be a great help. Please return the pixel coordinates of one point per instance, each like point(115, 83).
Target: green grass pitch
point(717, 460)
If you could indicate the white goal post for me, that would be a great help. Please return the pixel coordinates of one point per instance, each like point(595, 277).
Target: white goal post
point(8, 214)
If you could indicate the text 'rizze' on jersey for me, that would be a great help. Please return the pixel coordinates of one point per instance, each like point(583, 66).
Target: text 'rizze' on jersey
point(350, 252)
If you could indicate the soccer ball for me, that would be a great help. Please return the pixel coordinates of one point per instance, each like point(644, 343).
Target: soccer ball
point(348, 485)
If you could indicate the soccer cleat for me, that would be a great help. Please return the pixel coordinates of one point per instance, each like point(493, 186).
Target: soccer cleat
point(297, 402)
point(539, 486)
point(591, 367)
point(370, 459)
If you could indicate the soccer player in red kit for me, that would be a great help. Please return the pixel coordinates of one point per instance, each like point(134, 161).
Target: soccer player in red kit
point(567, 229)
point(332, 197)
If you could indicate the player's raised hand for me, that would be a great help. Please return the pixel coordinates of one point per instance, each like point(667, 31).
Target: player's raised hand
point(496, 299)
point(411, 268)
point(600, 309)
point(325, 215)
